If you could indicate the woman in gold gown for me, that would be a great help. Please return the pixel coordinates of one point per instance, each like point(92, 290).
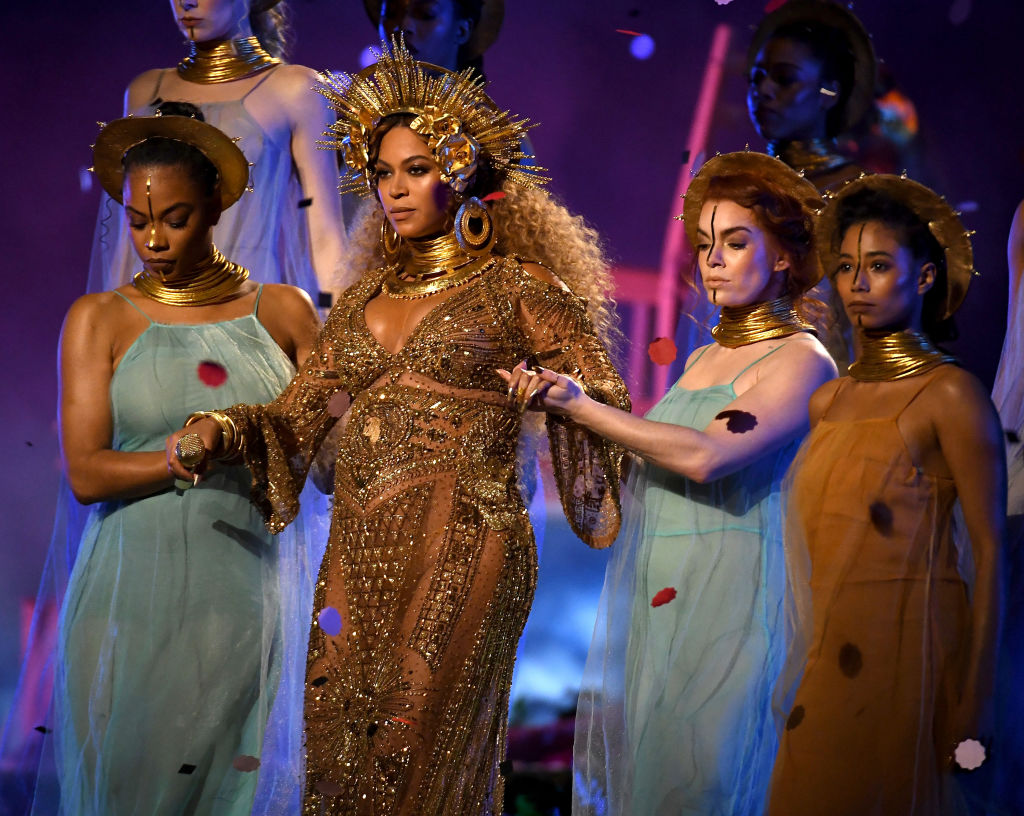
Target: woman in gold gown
point(430, 567)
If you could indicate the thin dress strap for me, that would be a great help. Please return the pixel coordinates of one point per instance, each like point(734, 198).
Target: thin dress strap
point(154, 98)
point(263, 79)
point(759, 359)
point(697, 359)
point(259, 294)
point(128, 300)
point(926, 380)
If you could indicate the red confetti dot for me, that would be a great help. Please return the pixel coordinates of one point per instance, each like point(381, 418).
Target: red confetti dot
point(245, 763)
point(338, 404)
point(627, 31)
point(662, 351)
point(495, 196)
point(663, 596)
point(773, 5)
point(212, 374)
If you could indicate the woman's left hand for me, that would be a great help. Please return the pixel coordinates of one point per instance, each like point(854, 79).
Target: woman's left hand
point(542, 389)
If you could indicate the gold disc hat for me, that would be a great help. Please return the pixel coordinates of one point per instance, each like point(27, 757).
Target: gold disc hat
point(460, 123)
point(839, 17)
point(485, 32)
point(942, 220)
point(121, 135)
point(750, 163)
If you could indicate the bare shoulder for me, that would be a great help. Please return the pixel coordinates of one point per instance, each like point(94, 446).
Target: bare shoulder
point(535, 270)
point(957, 388)
point(822, 398)
point(290, 301)
point(140, 89)
point(803, 352)
point(295, 81)
point(94, 318)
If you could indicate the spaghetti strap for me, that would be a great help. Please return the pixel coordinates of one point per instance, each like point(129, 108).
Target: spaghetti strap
point(155, 96)
point(759, 359)
point(259, 294)
point(926, 380)
point(128, 300)
point(263, 79)
point(697, 360)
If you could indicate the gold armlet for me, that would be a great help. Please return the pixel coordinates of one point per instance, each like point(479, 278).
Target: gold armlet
point(230, 440)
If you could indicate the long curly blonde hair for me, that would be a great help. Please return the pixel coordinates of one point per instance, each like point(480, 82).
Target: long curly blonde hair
point(534, 226)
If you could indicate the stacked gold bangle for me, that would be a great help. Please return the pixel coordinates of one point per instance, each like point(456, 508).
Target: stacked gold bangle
point(230, 440)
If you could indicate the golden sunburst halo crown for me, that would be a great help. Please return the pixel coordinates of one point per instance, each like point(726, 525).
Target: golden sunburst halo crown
point(459, 121)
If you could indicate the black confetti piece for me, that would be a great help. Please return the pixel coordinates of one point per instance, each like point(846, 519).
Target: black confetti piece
point(319, 681)
point(305, 203)
point(29, 444)
point(42, 729)
point(372, 729)
point(1011, 436)
point(505, 768)
point(738, 421)
point(324, 300)
point(186, 768)
point(796, 716)
point(881, 517)
point(851, 661)
point(686, 156)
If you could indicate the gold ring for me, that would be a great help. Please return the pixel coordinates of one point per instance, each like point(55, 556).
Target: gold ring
point(190, 450)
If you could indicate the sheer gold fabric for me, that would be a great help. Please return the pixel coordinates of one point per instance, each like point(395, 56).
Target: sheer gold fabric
point(431, 560)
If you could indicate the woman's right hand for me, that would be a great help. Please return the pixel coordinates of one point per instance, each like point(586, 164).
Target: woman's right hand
point(209, 432)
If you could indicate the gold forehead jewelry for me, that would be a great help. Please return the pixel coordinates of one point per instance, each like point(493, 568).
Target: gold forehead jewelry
point(460, 123)
point(121, 135)
point(225, 61)
point(838, 17)
point(485, 32)
point(942, 220)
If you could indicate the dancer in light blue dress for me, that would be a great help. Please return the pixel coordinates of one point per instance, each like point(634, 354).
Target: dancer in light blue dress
point(174, 628)
point(675, 714)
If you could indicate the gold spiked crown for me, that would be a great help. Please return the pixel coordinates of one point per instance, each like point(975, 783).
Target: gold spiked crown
point(460, 123)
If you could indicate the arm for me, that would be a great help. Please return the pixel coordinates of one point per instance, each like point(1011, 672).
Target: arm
point(318, 174)
point(95, 471)
point(971, 441)
point(763, 418)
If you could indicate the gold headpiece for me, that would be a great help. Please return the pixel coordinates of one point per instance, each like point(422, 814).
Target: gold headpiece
point(460, 123)
point(835, 16)
point(122, 135)
point(758, 165)
point(485, 32)
point(943, 223)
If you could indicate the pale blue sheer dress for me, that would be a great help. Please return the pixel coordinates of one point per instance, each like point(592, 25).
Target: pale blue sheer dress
point(170, 641)
point(675, 714)
point(265, 231)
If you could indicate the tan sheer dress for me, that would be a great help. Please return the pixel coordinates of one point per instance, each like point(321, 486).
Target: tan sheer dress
point(868, 734)
point(431, 561)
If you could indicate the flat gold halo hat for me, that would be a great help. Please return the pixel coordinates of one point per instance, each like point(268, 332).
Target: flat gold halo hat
point(485, 32)
point(747, 162)
point(836, 16)
point(121, 135)
point(943, 223)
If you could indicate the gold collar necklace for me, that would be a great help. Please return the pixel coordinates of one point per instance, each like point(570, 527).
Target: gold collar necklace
point(895, 355)
point(742, 325)
point(812, 157)
point(225, 61)
point(432, 265)
point(210, 282)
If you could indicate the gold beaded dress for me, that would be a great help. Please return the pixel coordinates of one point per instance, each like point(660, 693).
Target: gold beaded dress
point(431, 563)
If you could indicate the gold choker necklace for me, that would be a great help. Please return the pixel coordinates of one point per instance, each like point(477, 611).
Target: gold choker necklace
point(210, 282)
point(225, 61)
point(813, 157)
point(742, 325)
point(433, 265)
point(895, 355)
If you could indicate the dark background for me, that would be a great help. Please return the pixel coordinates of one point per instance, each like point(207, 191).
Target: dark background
point(612, 132)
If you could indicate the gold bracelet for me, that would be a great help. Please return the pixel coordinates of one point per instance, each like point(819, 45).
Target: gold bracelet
point(230, 443)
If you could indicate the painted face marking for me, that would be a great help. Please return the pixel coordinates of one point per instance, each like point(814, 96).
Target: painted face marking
point(151, 243)
point(857, 271)
point(711, 247)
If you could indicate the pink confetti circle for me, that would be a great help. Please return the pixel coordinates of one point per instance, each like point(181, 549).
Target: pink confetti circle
point(330, 620)
point(212, 374)
point(245, 763)
point(969, 754)
point(663, 596)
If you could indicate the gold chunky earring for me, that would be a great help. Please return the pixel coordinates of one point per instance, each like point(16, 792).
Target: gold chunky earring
point(390, 242)
point(474, 229)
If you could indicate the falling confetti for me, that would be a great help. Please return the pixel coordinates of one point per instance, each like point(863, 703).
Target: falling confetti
point(662, 351)
point(319, 681)
point(627, 31)
point(328, 788)
point(330, 620)
point(324, 300)
point(306, 202)
point(723, 2)
point(796, 716)
point(851, 661)
point(881, 517)
point(212, 374)
point(245, 763)
point(663, 596)
point(967, 206)
point(642, 47)
point(969, 754)
point(773, 5)
point(42, 729)
point(186, 769)
point(497, 195)
point(737, 421)
point(403, 720)
point(338, 404)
